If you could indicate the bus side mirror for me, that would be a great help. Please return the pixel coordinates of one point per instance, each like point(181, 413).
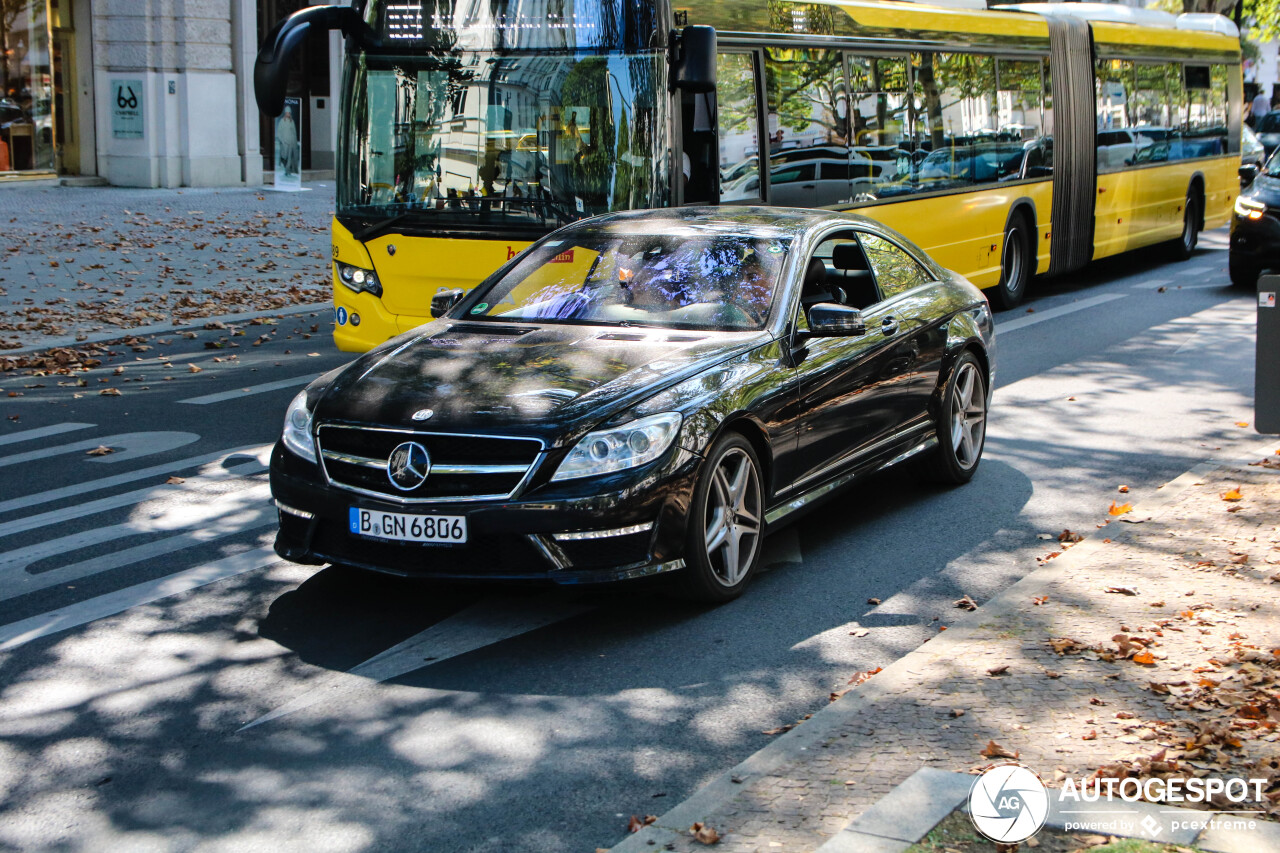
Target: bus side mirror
point(695, 66)
point(444, 300)
point(271, 70)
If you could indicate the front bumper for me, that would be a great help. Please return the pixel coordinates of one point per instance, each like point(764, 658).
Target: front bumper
point(1255, 243)
point(634, 526)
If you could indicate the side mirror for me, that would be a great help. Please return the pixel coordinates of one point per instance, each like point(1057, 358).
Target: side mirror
point(695, 63)
point(1248, 172)
point(831, 319)
point(271, 70)
point(444, 300)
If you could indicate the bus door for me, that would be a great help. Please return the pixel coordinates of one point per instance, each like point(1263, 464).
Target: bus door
point(739, 126)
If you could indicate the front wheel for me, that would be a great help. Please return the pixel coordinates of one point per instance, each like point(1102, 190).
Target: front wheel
point(962, 424)
point(1185, 246)
point(1243, 275)
point(726, 523)
point(1015, 266)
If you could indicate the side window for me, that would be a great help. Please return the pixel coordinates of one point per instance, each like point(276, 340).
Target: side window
point(1115, 88)
point(845, 277)
point(957, 120)
point(1206, 92)
point(738, 118)
point(895, 270)
point(1158, 110)
point(881, 157)
point(808, 124)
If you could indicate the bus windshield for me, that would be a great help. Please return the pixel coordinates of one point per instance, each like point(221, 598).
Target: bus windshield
point(475, 140)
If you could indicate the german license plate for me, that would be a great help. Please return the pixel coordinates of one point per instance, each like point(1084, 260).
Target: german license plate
point(442, 529)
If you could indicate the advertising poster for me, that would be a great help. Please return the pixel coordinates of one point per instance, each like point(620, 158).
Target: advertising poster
point(288, 160)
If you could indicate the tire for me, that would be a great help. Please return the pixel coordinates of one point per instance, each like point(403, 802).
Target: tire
point(1016, 262)
point(1243, 276)
point(726, 523)
point(1185, 246)
point(962, 424)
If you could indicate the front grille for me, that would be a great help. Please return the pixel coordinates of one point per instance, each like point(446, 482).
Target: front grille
point(463, 467)
point(608, 552)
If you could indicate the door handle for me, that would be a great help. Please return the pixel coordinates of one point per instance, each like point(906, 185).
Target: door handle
point(889, 326)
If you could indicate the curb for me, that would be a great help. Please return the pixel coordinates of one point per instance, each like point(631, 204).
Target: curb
point(196, 324)
point(793, 745)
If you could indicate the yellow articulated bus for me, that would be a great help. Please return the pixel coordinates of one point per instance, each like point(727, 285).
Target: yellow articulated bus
point(1008, 143)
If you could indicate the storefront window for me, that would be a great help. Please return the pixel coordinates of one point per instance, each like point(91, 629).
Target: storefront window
point(26, 88)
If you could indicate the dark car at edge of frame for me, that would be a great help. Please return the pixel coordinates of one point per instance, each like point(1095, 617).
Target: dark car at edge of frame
point(1254, 244)
point(636, 394)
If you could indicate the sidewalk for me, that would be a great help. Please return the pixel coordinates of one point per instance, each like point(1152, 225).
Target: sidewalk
point(1051, 670)
point(87, 264)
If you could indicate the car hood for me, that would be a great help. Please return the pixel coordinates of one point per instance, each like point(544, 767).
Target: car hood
point(550, 382)
point(1265, 189)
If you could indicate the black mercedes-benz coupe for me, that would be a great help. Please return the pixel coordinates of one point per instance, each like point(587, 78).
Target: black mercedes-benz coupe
point(639, 393)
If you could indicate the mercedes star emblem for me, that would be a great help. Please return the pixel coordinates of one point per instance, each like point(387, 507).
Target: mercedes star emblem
point(408, 466)
point(391, 248)
point(423, 414)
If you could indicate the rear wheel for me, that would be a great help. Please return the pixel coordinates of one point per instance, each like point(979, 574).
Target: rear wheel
point(726, 523)
point(962, 424)
point(1243, 275)
point(1185, 246)
point(1015, 265)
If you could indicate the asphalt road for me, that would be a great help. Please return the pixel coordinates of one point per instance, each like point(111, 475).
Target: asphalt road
point(166, 683)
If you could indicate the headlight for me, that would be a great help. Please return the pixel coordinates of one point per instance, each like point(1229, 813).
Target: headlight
point(618, 449)
point(358, 279)
point(297, 428)
point(1249, 208)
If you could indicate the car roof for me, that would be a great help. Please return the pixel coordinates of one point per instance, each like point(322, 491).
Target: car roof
point(764, 222)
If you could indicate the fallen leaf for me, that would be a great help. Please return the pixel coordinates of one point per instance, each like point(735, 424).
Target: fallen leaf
point(957, 712)
point(1049, 673)
point(1242, 424)
point(704, 834)
point(1124, 490)
point(109, 392)
point(966, 603)
point(635, 824)
point(998, 670)
point(995, 750)
point(1068, 536)
point(1144, 658)
point(1233, 494)
point(863, 676)
point(873, 601)
point(1043, 599)
point(1122, 590)
point(100, 450)
point(1120, 509)
point(1092, 734)
point(191, 368)
point(173, 481)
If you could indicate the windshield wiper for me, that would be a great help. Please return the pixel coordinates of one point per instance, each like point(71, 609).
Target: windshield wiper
point(379, 227)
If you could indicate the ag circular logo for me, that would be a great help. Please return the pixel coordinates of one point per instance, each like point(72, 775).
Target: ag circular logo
point(408, 466)
point(1008, 803)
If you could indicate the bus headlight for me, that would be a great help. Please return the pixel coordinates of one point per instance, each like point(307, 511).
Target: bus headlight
point(359, 279)
point(1250, 209)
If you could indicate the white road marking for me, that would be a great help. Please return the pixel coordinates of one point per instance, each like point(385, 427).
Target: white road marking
point(1052, 313)
point(252, 389)
point(18, 633)
point(135, 444)
point(223, 516)
point(197, 483)
point(260, 452)
point(483, 624)
point(42, 432)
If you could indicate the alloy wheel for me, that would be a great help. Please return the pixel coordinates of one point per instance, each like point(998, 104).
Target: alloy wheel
point(968, 415)
point(733, 519)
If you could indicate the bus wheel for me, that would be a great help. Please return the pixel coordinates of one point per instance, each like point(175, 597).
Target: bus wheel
point(1185, 245)
point(1015, 266)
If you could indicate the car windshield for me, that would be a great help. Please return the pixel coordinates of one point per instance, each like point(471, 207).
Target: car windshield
point(1269, 123)
point(714, 283)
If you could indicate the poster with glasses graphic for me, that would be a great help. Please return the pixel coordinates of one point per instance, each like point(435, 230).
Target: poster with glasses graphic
point(288, 161)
